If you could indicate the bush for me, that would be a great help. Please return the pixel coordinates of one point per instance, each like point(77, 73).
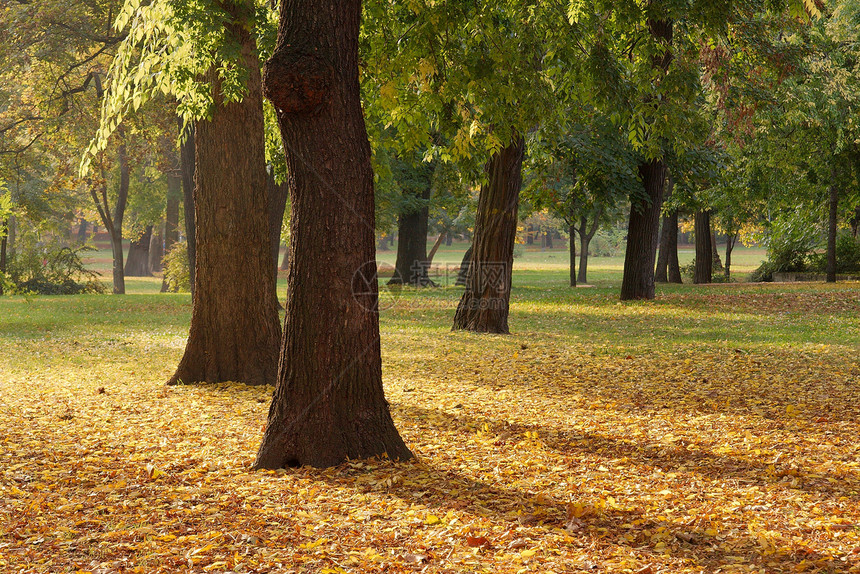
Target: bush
point(608, 243)
point(790, 246)
point(50, 268)
point(847, 256)
point(718, 272)
point(176, 269)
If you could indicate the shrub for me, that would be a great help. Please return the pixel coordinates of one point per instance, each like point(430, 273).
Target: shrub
point(176, 270)
point(847, 256)
point(608, 243)
point(50, 267)
point(718, 272)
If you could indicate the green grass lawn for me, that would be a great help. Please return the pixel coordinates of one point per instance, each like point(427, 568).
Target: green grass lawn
point(712, 429)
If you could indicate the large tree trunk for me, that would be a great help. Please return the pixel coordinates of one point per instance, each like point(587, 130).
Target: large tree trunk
point(410, 268)
point(833, 205)
point(642, 234)
point(174, 197)
point(137, 264)
point(572, 230)
point(189, 168)
point(704, 250)
point(485, 303)
point(277, 194)
point(329, 405)
point(465, 268)
point(235, 328)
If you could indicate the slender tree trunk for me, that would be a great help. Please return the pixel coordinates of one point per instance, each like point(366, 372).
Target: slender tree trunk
point(530, 238)
point(715, 252)
point(285, 260)
point(410, 268)
point(329, 404)
point(277, 194)
point(668, 237)
point(11, 235)
point(642, 235)
point(730, 245)
point(189, 168)
point(465, 268)
point(572, 230)
point(485, 303)
point(235, 328)
point(113, 219)
point(585, 238)
point(855, 222)
point(171, 217)
point(704, 250)
point(449, 239)
point(156, 247)
point(548, 239)
point(4, 230)
point(833, 205)
point(436, 245)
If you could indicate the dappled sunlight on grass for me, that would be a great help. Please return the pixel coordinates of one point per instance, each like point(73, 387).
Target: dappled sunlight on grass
point(714, 428)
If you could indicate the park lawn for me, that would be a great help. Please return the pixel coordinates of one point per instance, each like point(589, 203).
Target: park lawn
point(713, 429)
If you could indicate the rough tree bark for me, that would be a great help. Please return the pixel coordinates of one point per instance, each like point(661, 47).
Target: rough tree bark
point(644, 223)
point(189, 167)
point(235, 328)
point(642, 235)
point(833, 210)
point(485, 303)
point(137, 264)
point(704, 251)
point(585, 237)
point(329, 404)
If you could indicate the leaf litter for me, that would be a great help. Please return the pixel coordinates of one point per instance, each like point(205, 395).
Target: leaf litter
point(536, 453)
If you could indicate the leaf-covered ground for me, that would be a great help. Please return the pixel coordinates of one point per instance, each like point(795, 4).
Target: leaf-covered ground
point(713, 430)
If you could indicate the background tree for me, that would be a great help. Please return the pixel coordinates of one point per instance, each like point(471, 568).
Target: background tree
point(234, 284)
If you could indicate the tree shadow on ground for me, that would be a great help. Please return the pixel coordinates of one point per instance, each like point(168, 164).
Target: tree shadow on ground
point(536, 516)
